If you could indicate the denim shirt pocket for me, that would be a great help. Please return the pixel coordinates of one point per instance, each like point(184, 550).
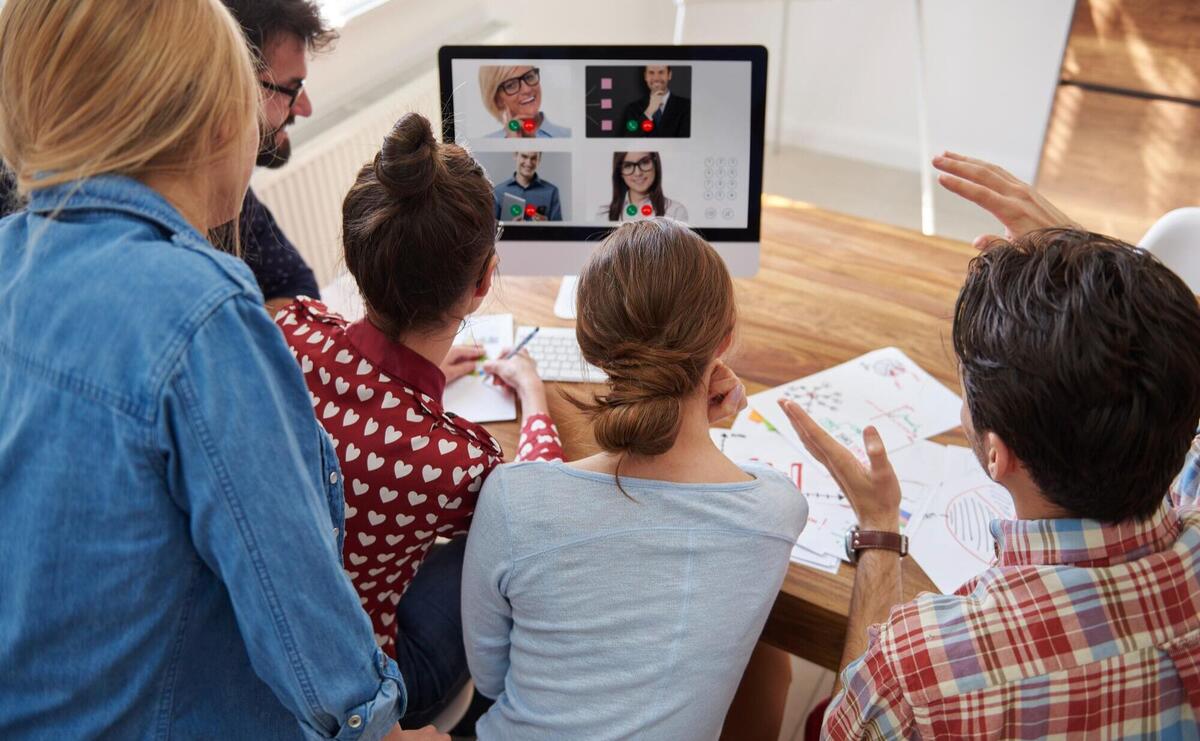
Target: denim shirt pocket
point(331, 476)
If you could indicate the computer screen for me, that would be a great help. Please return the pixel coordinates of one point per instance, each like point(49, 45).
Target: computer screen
point(579, 139)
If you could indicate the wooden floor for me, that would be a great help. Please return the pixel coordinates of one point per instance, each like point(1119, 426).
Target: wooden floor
point(831, 287)
point(1123, 144)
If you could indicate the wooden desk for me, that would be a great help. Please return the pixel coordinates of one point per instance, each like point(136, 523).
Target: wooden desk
point(831, 287)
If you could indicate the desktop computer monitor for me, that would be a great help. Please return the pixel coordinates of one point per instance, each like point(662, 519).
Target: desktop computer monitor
point(577, 139)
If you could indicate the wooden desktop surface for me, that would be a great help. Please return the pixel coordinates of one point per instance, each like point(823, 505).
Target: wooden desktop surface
point(831, 287)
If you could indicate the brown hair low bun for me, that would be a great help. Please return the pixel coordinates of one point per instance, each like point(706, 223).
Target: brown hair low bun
point(418, 229)
point(640, 414)
point(655, 303)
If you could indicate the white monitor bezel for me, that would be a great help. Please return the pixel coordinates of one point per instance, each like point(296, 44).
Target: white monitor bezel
point(562, 250)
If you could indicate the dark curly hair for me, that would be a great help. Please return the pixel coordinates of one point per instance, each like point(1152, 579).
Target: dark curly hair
point(262, 20)
point(1082, 353)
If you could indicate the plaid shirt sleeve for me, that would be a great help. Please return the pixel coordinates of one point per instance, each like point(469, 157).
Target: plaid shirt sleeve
point(871, 704)
point(1185, 490)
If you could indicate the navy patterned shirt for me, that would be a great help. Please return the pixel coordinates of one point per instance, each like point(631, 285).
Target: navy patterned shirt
point(279, 269)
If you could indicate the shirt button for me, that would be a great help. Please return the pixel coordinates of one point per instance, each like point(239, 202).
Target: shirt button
point(333, 478)
point(355, 722)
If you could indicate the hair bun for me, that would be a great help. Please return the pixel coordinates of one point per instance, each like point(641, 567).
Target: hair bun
point(631, 326)
point(645, 426)
point(407, 163)
point(640, 415)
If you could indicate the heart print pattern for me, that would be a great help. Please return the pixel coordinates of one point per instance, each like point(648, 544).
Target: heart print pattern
point(417, 480)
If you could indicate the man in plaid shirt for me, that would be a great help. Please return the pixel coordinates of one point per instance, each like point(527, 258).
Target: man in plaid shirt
point(1079, 359)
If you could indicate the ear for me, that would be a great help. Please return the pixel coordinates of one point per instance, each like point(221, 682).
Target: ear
point(485, 284)
point(725, 345)
point(998, 458)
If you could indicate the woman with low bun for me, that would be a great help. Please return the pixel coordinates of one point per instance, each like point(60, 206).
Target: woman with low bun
point(418, 232)
point(621, 595)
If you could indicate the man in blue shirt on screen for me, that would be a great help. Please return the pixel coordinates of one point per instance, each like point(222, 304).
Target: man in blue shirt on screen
point(540, 197)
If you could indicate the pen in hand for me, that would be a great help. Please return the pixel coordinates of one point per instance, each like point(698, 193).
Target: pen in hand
point(520, 346)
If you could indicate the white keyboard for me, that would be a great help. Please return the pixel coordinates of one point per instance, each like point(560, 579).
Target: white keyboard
point(558, 358)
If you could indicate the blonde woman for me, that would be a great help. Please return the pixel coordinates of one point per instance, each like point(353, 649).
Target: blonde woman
point(620, 596)
point(172, 510)
point(513, 95)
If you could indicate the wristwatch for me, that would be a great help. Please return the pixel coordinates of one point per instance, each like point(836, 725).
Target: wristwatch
point(860, 540)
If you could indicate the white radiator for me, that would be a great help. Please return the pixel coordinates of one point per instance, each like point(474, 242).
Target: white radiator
point(306, 194)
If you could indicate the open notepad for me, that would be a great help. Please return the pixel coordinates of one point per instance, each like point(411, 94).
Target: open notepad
point(473, 397)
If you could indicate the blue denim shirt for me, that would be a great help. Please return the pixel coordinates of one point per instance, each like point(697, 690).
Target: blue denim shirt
point(169, 564)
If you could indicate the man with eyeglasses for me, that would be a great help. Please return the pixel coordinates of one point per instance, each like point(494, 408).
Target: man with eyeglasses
point(281, 33)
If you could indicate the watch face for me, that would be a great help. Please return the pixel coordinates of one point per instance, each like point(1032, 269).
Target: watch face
point(851, 553)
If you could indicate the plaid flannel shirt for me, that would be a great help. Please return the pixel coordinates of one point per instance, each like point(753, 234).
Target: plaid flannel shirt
point(1079, 629)
point(1185, 491)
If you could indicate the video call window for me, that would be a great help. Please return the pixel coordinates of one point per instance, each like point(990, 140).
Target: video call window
point(530, 186)
point(652, 101)
point(513, 96)
point(637, 190)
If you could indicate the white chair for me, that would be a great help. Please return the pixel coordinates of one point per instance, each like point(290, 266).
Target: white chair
point(453, 713)
point(1175, 239)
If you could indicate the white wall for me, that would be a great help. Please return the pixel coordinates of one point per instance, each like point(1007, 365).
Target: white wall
point(382, 50)
point(851, 84)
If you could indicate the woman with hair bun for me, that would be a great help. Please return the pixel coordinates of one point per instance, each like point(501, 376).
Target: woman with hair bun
point(418, 231)
point(621, 595)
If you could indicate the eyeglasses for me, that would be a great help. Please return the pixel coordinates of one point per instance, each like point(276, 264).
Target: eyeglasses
point(478, 283)
point(292, 92)
point(513, 84)
point(645, 164)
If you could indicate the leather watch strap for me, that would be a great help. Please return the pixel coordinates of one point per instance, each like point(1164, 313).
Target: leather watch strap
point(860, 540)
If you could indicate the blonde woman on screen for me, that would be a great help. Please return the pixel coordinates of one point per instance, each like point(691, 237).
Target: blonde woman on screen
point(513, 96)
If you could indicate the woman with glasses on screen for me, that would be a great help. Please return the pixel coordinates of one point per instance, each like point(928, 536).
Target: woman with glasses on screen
point(637, 190)
point(513, 95)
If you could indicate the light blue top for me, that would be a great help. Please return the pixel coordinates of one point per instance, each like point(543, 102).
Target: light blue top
point(169, 564)
point(590, 615)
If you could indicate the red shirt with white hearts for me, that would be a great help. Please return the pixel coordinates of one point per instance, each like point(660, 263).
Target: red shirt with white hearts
point(412, 471)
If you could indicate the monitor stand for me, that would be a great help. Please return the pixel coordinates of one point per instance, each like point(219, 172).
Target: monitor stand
point(564, 305)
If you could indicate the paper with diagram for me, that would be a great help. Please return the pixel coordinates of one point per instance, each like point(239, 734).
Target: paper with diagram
point(951, 536)
point(884, 388)
point(821, 544)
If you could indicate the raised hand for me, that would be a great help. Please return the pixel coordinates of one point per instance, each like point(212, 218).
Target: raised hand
point(873, 491)
point(1015, 203)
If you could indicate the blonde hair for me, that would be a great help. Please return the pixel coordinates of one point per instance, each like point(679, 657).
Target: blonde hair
point(655, 302)
point(490, 77)
point(91, 87)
